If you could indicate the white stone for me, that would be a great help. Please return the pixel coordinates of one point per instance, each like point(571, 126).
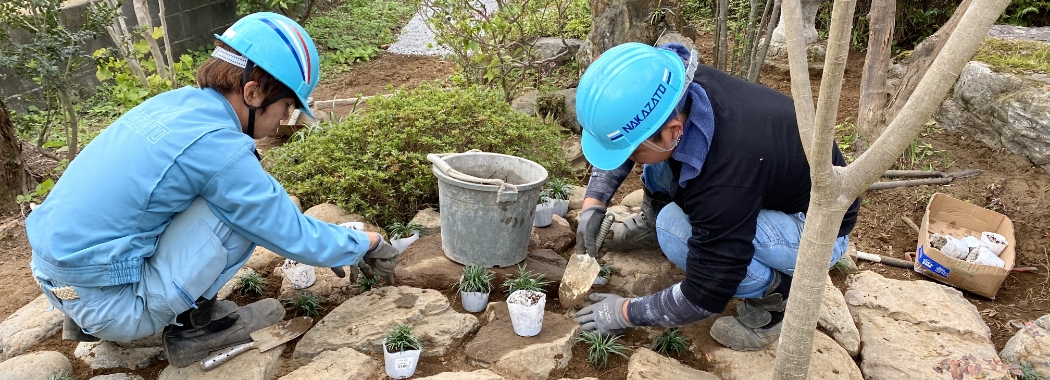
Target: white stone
point(648, 365)
point(481, 374)
point(40, 365)
point(28, 326)
point(251, 365)
point(104, 355)
point(327, 286)
point(344, 363)
point(837, 321)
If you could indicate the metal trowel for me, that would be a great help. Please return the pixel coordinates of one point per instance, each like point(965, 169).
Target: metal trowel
point(264, 339)
point(581, 271)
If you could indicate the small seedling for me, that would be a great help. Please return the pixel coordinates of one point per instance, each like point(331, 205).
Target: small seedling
point(843, 265)
point(599, 347)
point(606, 271)
point(63, 376)
point(252, 283)
point(669, 342)
point(366, 282)
point(307, 304)
point(525, 280)
point(399, 230)
point(401, 338)
point(558, 188)
point(475, 279)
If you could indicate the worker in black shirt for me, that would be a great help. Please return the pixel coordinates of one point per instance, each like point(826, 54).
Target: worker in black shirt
point(726, 190)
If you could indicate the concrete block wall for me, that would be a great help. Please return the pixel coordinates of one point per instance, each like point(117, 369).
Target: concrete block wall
point(191, 24)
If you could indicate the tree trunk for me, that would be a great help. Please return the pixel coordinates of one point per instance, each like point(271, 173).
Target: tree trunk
point(72, 125)
point(14, 179)
point(873, 94)
point(142, 13)
point(834, 188)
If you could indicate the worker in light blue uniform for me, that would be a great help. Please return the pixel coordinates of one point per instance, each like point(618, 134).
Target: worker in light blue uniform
point(163, 207)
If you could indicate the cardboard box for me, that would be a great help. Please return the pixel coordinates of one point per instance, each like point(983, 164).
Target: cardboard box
point(949, 216)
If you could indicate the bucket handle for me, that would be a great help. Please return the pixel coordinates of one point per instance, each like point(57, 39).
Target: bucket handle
point(506, 193)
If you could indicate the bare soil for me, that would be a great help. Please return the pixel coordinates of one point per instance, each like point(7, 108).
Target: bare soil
point(1009, 184)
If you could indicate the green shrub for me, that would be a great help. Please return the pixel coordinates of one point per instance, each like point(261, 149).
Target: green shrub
point(375, 164)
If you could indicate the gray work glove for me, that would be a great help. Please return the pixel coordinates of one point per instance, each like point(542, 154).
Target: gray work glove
point(605, 315)
point(382, 258)
point(587, 232)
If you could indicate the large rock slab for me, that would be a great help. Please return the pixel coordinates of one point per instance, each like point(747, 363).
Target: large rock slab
point(641, 272)
point(263, 259)
point(481, 374)
point(1002, 111)
point(251, 365)
point(829, 361)
point(104, 355)
point(328, 286)
point(558, 236)
point(499, 349)
point(361, 323)
point(344, 364)
point(430, 221)
point(908, 327)
point(424, 265)
point(555, 49)
point(648, 365)
point(634, 199)
point(40, 365)
point(330, 213)
point(618, 21)
point(28, 326)
point(836, 320)
point(1031, 344)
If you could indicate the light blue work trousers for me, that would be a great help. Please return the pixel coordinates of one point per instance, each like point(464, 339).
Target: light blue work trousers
point(196, 255)
point(777, 237)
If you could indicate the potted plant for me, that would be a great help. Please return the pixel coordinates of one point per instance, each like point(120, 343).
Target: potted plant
point(604, 273)
point(544, 210)
point(401, 234)
point(401, 348)
point(559, 192)
point(526, 301)
point(474, 287)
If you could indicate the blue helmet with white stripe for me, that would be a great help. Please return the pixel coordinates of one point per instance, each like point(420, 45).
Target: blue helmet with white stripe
point(280, 46)
point(624, 97)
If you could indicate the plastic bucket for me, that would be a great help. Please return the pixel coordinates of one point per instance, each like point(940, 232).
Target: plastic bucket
point(487, 225)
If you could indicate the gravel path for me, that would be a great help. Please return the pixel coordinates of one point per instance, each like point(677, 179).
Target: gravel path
point(417, 39)
point(1010, 32)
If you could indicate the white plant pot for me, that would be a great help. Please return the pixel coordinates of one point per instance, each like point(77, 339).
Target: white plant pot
point(402, 244)
point(561, 207)
point(526, 318)
point(400, 365)
point(474, 302)
point(601, 280)
point(300, 275)
point(995, 242)
point(544, 213)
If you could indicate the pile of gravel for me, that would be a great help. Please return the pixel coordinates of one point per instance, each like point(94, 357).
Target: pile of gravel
point(416, 38)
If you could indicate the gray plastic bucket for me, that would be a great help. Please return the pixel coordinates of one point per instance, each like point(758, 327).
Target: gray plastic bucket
point(480, 224)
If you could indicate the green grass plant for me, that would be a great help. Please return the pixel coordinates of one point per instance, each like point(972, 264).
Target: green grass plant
point(476, 279)
point(252, 283)
point(366, 282)
point(670, 342)
point(525, 280)
point(307, 304)
point(401, 338)
point(599, 347)
point(606, 270)
point(844, 265)
point(399, 230)
point(558, 188)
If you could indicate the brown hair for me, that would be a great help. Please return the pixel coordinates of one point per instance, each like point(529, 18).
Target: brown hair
point(226, 78)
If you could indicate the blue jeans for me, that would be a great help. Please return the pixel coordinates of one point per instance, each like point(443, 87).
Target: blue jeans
point(196, 255)
point(777, 237)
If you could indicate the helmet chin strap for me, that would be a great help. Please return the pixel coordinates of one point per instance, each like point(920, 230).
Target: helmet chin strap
point(250, 131)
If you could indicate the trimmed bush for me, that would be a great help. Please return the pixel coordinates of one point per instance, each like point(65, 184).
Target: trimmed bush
point(375, 163)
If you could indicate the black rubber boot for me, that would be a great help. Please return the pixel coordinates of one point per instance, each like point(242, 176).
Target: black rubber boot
point(72, 331)
point(185, 345)
point(639, 231)
point(758, 321)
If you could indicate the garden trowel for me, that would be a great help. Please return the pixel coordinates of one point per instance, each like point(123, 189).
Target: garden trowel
point(264, 339)
point(581, 271)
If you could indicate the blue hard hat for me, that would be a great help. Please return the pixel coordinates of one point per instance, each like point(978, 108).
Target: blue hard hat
point(280, 46)
point(624, 97)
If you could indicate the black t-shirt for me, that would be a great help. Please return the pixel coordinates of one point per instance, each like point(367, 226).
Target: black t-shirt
point(756, 161)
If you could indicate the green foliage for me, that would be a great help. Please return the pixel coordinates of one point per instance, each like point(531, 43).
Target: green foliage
point(401, 338)
point(399, 230)
point(1014, 55)
point(558, 188)
point(526, 280)
point(252, 283)
point(1027, 372)
point(475, 279)
point(921, 155)
point(671, 341)
point(298, 10)
point(376, 163)
point(307, 304)
point(492, 47)
point(1027, 13)
point(354, 30)
point(606, 270)
point(599, 347)
point(124, 89)
point(846, 134)
point(38, 194)
point(366, 282)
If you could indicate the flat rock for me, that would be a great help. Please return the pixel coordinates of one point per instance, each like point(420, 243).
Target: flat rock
point(481, 374)
point(836, 320)
point(361, 323)
point(555, 49)
point(1031, 344)
point(908, 327)
point(344, 363)
point(558, 236)
point(40, 365)
point(251, 365)
point(634, 199)
point(263, 259)
point(234, 285)
point(641, 272)
point(330, 213)
point(576, 199)
point(829, 360)
point(430, 220)
point(646, 364)
point(328, 286)
point(499, 349)
point(620, 212)
point(28, 326)
point(424, 265)
point(117, 376)
point(104, 355)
